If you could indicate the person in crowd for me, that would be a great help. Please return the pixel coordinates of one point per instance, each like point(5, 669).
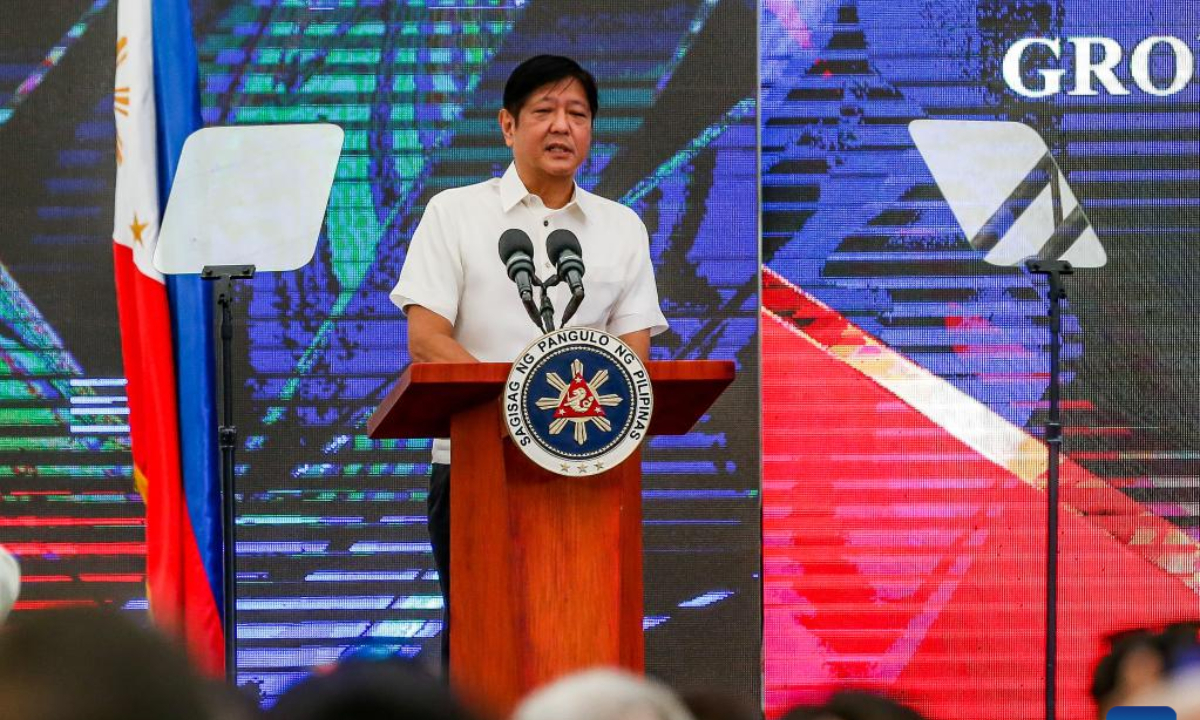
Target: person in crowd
point(455, 290)
point(91, 664)
point(602, 694)
point(1140, 662)
point(1180, 692)
point(370, 689)
point(10, 582)
point(718, 706)
point(855, 705)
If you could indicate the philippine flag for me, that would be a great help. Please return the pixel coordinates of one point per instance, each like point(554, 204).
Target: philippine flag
point(165, 331)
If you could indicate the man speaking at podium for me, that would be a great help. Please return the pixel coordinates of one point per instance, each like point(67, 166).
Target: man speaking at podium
point(455, 289)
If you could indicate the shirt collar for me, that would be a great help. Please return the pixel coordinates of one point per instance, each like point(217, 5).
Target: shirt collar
point(513, 191)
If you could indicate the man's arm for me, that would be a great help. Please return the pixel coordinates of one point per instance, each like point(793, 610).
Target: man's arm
point(431, 338)
point(639, 342)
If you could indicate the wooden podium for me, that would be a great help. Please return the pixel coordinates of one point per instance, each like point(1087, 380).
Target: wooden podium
point(547, 569)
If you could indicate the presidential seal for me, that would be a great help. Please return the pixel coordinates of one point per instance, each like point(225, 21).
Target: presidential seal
point(578, 401)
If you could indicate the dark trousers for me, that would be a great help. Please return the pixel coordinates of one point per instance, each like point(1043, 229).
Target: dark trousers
point(439, 538)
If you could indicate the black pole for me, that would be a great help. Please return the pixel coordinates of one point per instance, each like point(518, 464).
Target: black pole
point(223, 276)
point(227, 439)
point(1053, 270)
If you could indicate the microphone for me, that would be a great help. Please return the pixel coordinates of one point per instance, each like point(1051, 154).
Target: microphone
point(567, 255)
point(516, 252)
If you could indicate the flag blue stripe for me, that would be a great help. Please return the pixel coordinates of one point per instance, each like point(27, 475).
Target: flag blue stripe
point(177, 96)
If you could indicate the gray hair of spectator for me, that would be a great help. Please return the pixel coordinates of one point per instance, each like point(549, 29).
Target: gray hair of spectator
point(10, 582)
point(603, 694)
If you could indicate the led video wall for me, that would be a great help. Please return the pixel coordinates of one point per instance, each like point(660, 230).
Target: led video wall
point(904, 378)
point(68, 508)
point(334, 558)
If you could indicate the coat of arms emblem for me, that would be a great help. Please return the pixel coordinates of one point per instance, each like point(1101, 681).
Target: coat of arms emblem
point(578, 401)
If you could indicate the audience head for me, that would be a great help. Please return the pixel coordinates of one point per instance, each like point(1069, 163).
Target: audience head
point(717, 706)
point(10, 582)
point(1180, 692)
point(86, 664)
point(1140, 661)
point(361, 689)
point(602, 694)
point(855, 705)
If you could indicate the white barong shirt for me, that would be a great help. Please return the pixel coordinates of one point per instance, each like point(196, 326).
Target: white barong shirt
point(453, 268)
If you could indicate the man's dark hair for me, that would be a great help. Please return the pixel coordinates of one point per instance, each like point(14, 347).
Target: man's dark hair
point(708, 705)
point(855, 705)
point(366, 689)
point(541, 70)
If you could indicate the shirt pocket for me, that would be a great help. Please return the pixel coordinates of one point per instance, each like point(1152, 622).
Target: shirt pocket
point(601, 292)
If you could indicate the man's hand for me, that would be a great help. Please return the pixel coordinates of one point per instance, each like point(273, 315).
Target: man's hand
point(431, 338)
point(639, 342)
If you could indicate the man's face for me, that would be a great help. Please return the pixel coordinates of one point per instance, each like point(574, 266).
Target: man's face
point(552, 134)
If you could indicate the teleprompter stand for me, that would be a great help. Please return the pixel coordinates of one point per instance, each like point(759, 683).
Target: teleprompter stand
point(222, 277)
point(1054, 270)
point(245, 199)
point(1014, 204)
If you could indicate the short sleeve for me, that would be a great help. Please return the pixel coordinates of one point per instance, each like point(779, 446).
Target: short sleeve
point(637, 307)
point(432, 276)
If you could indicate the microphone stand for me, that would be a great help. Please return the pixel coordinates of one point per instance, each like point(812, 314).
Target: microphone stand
point(545, 322)
point(531, 309)
point(1053, 270)
point(547, 308)
point(572, 306)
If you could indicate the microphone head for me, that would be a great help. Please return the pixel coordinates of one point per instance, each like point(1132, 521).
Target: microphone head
point(513, 241)
point(561, 241)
